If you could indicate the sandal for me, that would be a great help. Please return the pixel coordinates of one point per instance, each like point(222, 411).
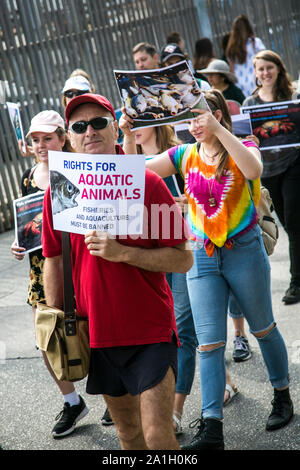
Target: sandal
point(177, 422)
point(232, 392)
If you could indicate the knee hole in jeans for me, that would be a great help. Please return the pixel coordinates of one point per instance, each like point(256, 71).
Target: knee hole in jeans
point(211, 347)
point(264, 333)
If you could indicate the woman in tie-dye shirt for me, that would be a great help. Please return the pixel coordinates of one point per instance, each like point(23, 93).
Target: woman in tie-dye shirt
point(229, 254)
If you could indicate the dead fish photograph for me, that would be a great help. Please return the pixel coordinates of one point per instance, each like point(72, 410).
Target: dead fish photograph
point(63, 192)
point(155, 97)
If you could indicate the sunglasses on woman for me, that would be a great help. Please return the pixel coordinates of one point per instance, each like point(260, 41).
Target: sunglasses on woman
point(80, 127)
point(70, 93)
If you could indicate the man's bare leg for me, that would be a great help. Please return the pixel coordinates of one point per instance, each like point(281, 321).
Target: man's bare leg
point(145, 421)
point(125, 412)
point(157, 414)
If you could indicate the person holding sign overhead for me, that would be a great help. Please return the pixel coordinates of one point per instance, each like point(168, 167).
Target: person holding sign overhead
point(281, 173)
point(229, 255)
point(120, 285)
point(47, 132)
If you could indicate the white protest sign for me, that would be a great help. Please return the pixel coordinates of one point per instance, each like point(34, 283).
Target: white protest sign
point(97, 192)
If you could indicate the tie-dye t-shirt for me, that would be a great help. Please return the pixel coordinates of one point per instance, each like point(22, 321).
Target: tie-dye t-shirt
point(234, 212)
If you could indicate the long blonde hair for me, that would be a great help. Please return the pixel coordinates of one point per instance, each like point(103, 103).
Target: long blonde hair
point(215, 101)
point(165, 138)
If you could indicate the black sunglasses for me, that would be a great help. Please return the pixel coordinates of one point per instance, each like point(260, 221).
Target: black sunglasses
point(70, 93)
point(97, 123)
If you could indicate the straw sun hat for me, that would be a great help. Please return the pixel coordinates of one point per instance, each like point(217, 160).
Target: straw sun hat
point(219, 66)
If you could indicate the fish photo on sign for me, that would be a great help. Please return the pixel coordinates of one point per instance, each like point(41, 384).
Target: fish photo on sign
point(63, 192)
point(160, 96)
point(97, 192)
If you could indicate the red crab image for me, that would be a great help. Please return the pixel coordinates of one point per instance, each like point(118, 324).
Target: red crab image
point(272, 128)
point(34, 225)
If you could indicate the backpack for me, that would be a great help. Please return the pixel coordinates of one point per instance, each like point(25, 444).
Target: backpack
point(266, 221)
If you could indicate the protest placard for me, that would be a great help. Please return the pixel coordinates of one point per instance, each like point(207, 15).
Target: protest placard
point(15, 118)
point(277, 125)
point(97, 192)
point(28, 215)
point(183, 134)
point(241, 125)
point(160, 96)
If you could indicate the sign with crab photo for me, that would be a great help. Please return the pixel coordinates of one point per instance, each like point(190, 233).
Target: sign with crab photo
point(277, 125)
point(160, 96)
point(28, 214)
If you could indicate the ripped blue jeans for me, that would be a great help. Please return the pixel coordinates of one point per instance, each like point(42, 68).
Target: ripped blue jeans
point(186, 331)
point(244, 270)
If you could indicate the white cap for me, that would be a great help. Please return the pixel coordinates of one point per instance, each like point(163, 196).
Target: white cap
point(46, 121)
point(77, 83)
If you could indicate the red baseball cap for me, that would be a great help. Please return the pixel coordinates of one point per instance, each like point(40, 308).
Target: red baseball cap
point(88, 98)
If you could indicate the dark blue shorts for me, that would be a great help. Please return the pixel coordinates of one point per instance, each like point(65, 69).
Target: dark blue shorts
point(130, 369)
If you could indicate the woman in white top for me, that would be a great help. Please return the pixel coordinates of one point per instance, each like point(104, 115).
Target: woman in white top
point(241, 48)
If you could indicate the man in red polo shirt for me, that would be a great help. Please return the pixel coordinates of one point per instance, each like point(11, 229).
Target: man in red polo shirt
point(120, 285)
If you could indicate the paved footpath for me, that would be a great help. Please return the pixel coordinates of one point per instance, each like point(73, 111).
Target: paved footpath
point(29, 400)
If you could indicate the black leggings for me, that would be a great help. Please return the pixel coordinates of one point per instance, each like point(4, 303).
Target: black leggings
point(285, 193)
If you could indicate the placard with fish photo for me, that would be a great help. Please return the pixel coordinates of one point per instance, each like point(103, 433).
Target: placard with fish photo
point(28, 217)
point(15, 118)
point(97, 192)
point(160, 96)
point(276, 125)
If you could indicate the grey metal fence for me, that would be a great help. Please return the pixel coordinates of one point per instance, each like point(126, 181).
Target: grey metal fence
point(43, 41)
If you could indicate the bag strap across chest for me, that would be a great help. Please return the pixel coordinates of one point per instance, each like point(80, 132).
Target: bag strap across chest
point(69, 301)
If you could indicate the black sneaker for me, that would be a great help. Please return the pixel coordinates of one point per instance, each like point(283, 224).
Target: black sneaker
point(282, 411)
point(292, 295)
point(208, 437)
point(106, 418)
point(241, 349)
point(68, 418)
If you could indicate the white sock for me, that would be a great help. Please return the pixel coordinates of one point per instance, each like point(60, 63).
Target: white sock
point(72, 398)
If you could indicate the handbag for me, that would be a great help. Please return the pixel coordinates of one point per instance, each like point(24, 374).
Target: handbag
point(64, 335)
point(267, 223)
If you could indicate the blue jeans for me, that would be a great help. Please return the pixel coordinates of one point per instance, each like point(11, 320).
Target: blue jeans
point(233, 308)
point(245, 271)
point(186, 332)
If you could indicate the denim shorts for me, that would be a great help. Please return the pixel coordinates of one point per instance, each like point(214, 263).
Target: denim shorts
point(130, 369)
